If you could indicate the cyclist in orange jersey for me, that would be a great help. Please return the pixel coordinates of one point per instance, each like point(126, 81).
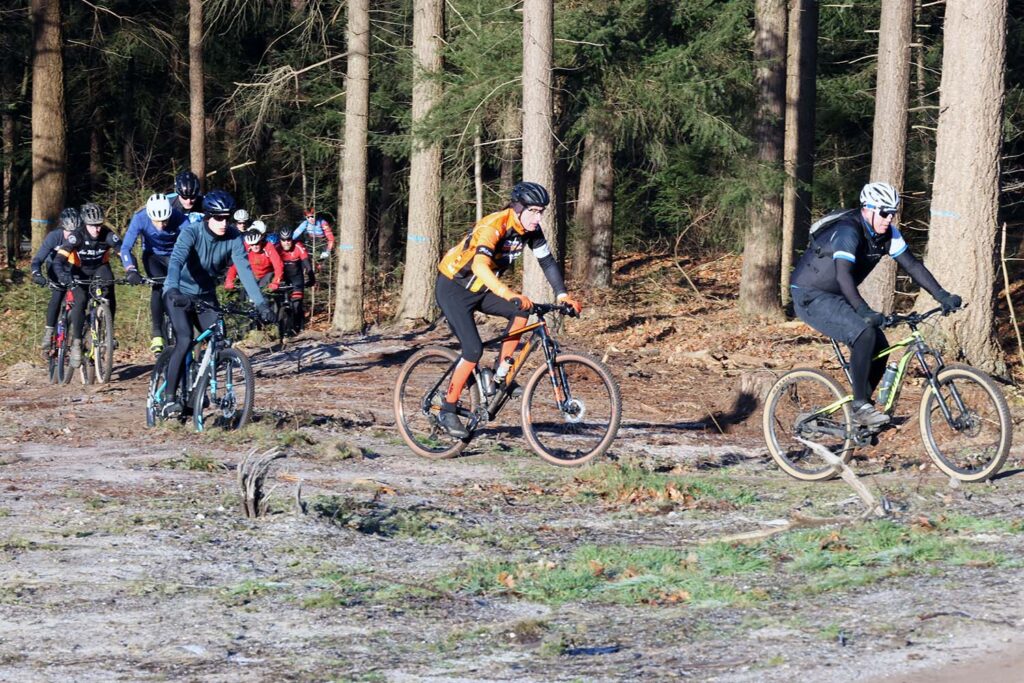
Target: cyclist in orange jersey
point(470, 281)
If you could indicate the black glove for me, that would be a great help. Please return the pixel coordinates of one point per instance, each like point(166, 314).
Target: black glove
point(133, 277)
point(266, 313)
point(177, 299)
point(870, 316)
point(950, 302)
point(38, 278)
point(311, 280)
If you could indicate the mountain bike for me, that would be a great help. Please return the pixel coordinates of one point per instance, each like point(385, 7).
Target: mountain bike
point(571, 405)
point(280, 302)
point(216, 384)
point(965, 422)
point(98, 336)
point(58, 356)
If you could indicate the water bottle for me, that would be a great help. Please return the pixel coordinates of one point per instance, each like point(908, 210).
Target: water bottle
point(886, 386)
point(487, 381)
point(502, 371)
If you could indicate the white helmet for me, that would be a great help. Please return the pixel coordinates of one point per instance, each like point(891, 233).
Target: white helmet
point(259, 226)
point(253, 237)
point(881, 196)
point(241, 216)
point(158, 207)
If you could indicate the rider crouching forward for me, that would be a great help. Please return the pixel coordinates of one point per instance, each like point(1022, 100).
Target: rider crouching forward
point(469, 281)
point(200, 255)
point(824, 287)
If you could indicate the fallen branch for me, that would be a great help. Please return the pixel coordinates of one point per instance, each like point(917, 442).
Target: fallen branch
point(871, 504)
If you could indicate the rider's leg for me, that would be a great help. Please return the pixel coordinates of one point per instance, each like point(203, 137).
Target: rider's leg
point(458, 306)
point(492, 304)
point(156, 267)
point(877, 365)
point(180, 321)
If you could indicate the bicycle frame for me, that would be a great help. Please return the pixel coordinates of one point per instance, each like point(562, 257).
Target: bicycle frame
point(523, 351)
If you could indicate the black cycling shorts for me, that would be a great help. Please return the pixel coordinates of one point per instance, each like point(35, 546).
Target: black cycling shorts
point(458, 305)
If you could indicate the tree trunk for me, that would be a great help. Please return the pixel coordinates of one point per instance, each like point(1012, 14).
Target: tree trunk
point(584, 213)
point(538, 142)
point(196, 101)
point(478, 174)
point(511, 130)
point(801, 95)
point(49, 123)
point(423, 244)
point(9, 228)
point(762, 251)
point(921, 97)
point(386, 222)
point(889, 140)
point(604, 195)
point(965, 197)
point(348, 302)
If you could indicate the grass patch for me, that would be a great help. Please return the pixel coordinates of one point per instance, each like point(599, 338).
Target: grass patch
point(245, 591)
point(193, 462)
point(630, 485)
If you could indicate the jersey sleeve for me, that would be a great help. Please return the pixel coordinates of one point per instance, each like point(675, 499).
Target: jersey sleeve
point(843, 244)
point(186, 240)
point(897, 245)
point(132, 234)
point(241, 263)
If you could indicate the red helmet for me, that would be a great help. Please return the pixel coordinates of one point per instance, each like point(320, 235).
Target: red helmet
point(310, 213)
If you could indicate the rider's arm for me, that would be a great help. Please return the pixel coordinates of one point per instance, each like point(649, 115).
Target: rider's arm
point(487, 234)
point(241, 261)
point(329, 234)
point(297, 232)
point(917, 271)
point(185, 244)
point(275, 262)
point(51, 242)
point(229, 281)
point(134, 230)
point(482, 270)
point(539, 247)
point(844, 276)
point(62, 259)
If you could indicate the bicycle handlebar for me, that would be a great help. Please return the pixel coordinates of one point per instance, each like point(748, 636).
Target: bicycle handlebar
point(543, 309)
point(914, 319)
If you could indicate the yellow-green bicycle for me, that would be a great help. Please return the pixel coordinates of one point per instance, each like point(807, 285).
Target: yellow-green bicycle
point(965, 422)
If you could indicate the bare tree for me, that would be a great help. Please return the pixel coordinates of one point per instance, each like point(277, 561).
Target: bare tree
point(386, 217)
point(889, 141)
point(538, 139)
point(584, 213)
point(348, 302)
point(762, 250)
point(600, 269)
point(49, 121)
point(196, 98)
point(801, 95)
point(423, 243)
point(965, 196)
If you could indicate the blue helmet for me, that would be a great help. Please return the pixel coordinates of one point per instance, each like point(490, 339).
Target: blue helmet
point(218, 203)
point(186, 184)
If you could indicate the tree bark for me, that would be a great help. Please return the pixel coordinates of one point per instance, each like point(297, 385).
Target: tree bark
point(348, 309)
point(386, 221)
point(889, 140)
point(423, 243)
point(196, 101)
point(965, 196)
point(49, 122)
point(801, 95)
point(538, 140)
point(584, 212)
point(9, 248)
point(478, 175)
point(511, 131)
point(604, 196)
point(762, 251)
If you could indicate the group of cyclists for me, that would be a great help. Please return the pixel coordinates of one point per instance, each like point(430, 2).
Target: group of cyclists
point(185, 251)
point(188, 240)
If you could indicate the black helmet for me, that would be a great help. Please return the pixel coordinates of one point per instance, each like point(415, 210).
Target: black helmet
point(285, 234)
point(218, 203)
point(91, 213)
point(530, 194)
point(186, 184)
point(70, 220)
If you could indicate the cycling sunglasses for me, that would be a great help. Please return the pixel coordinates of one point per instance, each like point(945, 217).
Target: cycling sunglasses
point(887, 213)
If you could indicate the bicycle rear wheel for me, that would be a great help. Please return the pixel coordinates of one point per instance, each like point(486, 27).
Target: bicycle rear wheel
point(52, 361)
point(976, 444)
point(418, 392)
point(571, 417)
point(103, 345)
point(225, 394)
point(792, 400)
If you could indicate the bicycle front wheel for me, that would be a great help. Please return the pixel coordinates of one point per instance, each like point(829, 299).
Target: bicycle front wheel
point(103, 345)
point(64, 369)
point(225, 394)
point(421, 385)
point(571, 416)
point(157, 388)
point(974, 444)
point(795, 409)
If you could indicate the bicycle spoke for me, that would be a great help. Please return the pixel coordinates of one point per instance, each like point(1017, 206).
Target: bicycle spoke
point(418, 397)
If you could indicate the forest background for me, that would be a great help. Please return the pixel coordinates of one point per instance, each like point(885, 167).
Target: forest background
point(662, 127)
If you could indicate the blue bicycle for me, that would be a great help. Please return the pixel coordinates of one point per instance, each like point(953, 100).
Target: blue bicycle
point(217, 383)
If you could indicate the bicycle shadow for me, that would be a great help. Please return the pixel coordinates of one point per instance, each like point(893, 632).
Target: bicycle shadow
point(1008, 473)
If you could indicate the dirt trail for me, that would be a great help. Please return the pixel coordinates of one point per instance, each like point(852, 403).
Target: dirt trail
point(123, 555)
